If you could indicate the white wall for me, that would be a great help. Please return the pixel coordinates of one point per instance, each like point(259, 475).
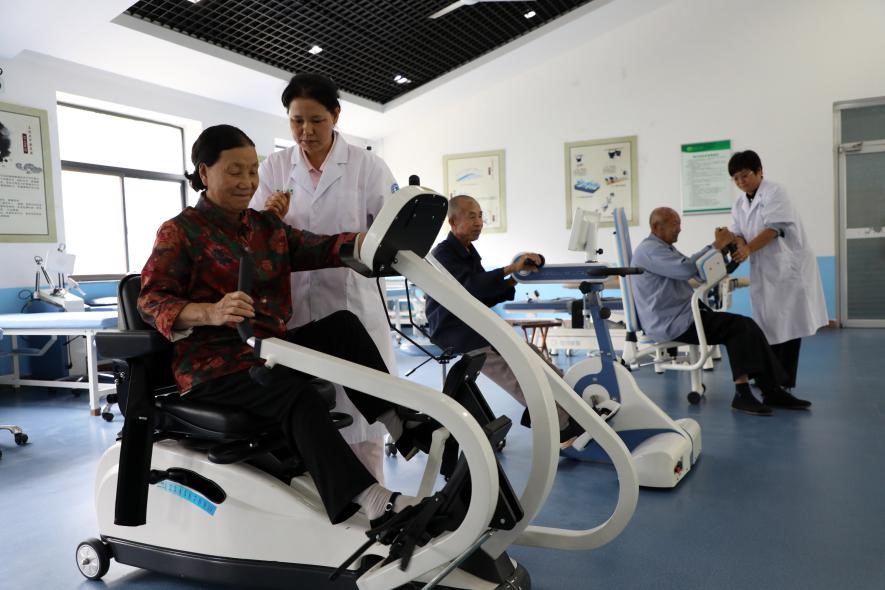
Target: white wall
point(762, 73)
point(33, 80)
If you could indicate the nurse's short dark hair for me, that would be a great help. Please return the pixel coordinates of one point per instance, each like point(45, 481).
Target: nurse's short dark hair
point(208, 147)
point(316, 86)
point(745, 160)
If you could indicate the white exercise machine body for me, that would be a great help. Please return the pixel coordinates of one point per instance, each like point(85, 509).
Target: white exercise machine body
point(265, 521)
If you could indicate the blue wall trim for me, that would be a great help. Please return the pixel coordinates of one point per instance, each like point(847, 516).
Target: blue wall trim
point(16, 300)
point(827, 265)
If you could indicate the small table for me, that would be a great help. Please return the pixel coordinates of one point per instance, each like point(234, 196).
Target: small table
point(532, 326)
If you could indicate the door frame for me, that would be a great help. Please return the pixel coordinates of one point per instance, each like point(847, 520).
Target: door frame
point(840, 153)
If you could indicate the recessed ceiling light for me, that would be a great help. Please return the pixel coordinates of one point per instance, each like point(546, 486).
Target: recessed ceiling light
point(528, 14)
point(313, 50)
point(401, 79)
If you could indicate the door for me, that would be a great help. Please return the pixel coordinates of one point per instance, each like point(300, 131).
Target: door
point(862, 216)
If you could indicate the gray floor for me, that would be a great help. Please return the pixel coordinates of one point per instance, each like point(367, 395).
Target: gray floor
point(791, 501)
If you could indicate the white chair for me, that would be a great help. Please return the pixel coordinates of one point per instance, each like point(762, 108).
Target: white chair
point(637, 346)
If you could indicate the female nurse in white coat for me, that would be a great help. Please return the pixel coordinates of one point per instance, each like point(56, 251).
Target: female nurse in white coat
point(326, 186)
point(785, 286)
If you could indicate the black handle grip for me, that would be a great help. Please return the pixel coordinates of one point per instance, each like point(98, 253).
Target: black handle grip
point(614, 271)
point(244, 284)
point(728, 253)
point(530, 262)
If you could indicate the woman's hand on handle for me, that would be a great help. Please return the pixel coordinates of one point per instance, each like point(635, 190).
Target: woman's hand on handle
point(230, 310)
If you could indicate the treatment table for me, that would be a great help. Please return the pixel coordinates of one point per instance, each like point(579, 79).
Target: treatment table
point(54, 324)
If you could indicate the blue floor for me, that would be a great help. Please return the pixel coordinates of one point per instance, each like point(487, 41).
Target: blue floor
point(791, 501)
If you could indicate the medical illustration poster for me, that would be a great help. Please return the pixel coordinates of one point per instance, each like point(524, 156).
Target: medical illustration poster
point(706, 186)
point(600, 176)
point(481, 176)
point(26, 207)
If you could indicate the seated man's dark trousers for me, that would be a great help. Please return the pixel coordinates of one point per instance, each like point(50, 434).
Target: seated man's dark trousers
point(748, 350)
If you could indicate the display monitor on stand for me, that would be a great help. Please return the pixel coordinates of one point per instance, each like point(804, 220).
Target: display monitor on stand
point(585, 225)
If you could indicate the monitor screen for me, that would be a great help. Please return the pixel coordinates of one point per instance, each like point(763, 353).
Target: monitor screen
point(584, 230)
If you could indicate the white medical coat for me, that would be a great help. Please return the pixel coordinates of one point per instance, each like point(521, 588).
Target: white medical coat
point(351, 191)
point(785, 287)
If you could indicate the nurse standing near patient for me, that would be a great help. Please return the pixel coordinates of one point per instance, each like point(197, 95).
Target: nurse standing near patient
point(785, 287)
point(326, 186)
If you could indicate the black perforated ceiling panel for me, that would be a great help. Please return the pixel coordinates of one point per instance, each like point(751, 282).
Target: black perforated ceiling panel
point(366, 43)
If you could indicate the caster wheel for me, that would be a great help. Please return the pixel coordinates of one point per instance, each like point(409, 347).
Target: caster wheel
point(108, 416)
point(93, 559)
point(703, 388)
point(390, 450)
point(694, 397)
point(21, 438)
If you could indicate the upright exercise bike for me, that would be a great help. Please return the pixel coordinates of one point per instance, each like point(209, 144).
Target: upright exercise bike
point(663, 450)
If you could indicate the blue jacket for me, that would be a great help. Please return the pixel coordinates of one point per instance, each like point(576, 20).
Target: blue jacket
point(491, 287)
point(662, 294)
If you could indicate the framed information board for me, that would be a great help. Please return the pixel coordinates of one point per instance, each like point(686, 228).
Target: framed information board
point(706, 186)
point(479, 175)
point(600, 176)
point(27, 213)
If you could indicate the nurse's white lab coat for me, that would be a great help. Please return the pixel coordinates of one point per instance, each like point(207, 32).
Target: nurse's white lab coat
point(352, 189)
point(785, 287)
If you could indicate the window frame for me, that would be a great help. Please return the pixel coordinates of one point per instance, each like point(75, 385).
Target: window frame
point(122, 174)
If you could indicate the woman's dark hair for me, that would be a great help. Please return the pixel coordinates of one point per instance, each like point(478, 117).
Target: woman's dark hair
point(316, 86)
point(746, 160)
point(208, 147)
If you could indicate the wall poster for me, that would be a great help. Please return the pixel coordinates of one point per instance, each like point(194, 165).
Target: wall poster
point(601, 175)
point(706, 186)
point(481, 176)
point(27, 213)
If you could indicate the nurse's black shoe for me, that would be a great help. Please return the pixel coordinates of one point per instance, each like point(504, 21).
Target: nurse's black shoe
point(781, 398)
point(570, 433)
point(748, 404)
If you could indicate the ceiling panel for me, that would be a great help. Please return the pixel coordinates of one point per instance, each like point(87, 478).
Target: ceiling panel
point(366, 43)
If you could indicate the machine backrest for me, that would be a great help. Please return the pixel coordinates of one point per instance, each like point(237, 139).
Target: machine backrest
point(159, 365)
point(127, 300)
point(625, 258)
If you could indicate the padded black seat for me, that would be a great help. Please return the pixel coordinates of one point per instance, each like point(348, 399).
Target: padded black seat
point(177, 416)
point(210, 421)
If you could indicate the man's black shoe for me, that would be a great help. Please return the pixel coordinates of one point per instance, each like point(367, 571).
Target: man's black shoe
point(749, 405)
point(784, 399)
point(568, 434)
point(416, 437)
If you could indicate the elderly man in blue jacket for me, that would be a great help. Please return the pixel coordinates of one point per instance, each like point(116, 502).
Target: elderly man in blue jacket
point(663, 302)
point(458, 255)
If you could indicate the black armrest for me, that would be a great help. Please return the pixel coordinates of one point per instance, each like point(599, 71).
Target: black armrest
point(348, 257)
point(130, 343)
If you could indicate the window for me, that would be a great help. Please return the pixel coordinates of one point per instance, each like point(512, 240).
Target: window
point(121, 178)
